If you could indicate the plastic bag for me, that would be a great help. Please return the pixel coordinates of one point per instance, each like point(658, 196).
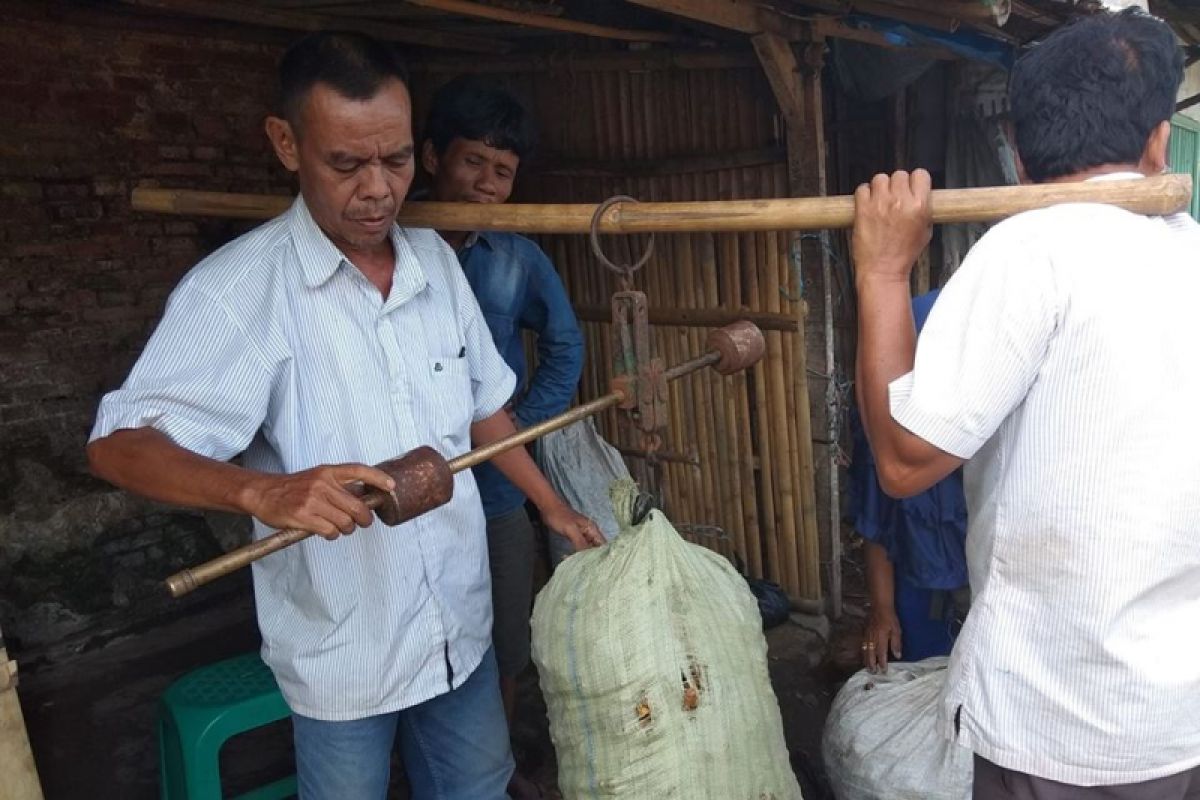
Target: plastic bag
point(653, 664)
point(883, 739)
point(581, 466)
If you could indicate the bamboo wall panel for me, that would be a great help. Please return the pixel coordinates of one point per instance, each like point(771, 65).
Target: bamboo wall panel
point(743, 497)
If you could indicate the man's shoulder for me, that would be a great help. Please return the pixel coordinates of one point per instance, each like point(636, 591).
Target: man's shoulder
point(252, 258)
point(426, 241)
point(517, 247)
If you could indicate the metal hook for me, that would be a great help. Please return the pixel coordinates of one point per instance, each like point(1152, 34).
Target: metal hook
point(625, 271)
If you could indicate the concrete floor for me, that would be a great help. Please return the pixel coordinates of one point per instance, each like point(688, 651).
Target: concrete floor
point(90, 708)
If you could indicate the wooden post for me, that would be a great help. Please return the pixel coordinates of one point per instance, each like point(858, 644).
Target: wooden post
point(18, 773)
point(784, 75)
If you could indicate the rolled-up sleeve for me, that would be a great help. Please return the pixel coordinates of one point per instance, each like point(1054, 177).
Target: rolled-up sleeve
point(983, 345)
point(199, 380)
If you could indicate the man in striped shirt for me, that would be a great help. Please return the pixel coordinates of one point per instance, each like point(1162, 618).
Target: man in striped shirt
point(320, 342)
point(1061, 361)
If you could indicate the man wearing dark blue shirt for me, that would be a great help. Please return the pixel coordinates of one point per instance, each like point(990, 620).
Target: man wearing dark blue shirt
point(915, 557)
point(475, 138)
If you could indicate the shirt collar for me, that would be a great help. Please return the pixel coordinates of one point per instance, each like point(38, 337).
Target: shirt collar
point(320, 258)
point(475, 237)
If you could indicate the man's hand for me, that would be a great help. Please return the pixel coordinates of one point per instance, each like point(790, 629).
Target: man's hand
point(892, 225)
point(314, 500)
point(882, 633)
point(572, 526)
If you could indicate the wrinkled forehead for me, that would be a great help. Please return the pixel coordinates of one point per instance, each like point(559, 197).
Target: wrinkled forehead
point(329, 116)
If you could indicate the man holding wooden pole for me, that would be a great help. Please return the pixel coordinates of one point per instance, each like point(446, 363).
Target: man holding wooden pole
point(1059, 363)
point(320, 342)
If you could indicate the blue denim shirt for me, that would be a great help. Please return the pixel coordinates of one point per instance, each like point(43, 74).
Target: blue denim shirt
point(924, 535)
point(518, 289)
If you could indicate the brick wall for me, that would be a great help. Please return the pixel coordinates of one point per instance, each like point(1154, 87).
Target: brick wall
point(95, 103)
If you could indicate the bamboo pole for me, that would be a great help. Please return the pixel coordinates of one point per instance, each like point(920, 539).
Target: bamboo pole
point(726, 475)
point(703, 398)
point(543, 21)
point(788, 505)
point(1162, 194)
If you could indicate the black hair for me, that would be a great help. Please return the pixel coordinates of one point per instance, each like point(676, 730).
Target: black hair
point(1092, 92)
point(471, 107)
point(352, 64)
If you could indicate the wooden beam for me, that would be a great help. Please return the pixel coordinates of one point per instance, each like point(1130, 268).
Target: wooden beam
point(613, 61)
point(472, 9)
point(789, 85)
point(779, 63)
point(913, 16)
point(834, 28)
point(991, 11)
point(1162, 194)
point(1188, 103)
point(298, 21)
point(734, 15)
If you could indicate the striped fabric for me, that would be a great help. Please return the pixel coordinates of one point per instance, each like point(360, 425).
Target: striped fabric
point(277, 346)
point(1062, 360)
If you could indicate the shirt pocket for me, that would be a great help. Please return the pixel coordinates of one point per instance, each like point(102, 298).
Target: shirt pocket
point(453, 401)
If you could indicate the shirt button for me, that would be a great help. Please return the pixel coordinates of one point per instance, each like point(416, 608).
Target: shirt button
point(437, 367)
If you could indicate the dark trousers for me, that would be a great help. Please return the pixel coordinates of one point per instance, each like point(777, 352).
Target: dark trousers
point(994, 782)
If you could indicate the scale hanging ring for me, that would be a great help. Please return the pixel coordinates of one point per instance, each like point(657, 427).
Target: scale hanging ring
point(624, 270)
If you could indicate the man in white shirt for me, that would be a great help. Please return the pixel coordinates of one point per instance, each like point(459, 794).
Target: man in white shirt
point(320, 342)
point(1060, 364)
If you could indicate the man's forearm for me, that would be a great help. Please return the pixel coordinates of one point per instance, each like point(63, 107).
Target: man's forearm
point(886, 346)
point(881, 580)
point(146, 462)
point(905, 463)
point(515, 464)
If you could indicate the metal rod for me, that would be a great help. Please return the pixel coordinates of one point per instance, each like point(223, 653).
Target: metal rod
point(526, 435)
point(187, 580)
point(699, 362)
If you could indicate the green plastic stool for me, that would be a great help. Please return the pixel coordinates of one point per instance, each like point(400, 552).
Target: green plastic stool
point(201, 711)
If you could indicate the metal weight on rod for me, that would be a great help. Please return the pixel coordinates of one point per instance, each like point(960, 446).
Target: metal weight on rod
point(425, 479)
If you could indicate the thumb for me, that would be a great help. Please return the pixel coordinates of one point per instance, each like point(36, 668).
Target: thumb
point(347, 473)
point(894, 642)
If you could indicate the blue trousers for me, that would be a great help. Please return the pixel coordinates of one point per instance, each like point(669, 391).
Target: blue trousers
point(455, 747)
point(924, 633)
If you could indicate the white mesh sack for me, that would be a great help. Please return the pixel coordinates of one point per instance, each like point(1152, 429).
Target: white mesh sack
point(883, 740)
point(654, 669)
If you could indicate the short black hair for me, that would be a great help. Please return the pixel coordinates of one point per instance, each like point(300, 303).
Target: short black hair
point(473, 107)
point(1092, 92)
point(353, 64)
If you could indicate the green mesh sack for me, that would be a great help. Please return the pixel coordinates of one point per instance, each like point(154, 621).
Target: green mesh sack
point(654, 668)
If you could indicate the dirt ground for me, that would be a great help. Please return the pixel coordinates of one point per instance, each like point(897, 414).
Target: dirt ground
point(90, 705)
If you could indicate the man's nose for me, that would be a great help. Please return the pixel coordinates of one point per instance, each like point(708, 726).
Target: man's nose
point(374, 185)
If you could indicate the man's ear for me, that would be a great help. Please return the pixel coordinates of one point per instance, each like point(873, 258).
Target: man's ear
point(283, 139)
point(429, 159)
point(1154, 155)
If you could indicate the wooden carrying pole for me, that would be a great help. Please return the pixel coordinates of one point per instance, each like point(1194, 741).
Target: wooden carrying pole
point(1163, 194)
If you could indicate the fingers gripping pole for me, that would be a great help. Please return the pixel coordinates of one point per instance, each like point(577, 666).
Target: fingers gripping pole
point(425, 479)
point(423, 482)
